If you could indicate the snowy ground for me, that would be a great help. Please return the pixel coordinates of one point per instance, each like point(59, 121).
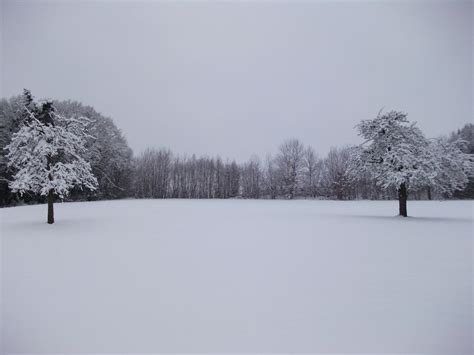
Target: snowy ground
point(238, 276)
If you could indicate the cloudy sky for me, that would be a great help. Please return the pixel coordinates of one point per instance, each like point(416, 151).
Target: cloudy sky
point(238, 78)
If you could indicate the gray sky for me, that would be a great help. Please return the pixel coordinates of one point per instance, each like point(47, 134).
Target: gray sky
point(238, 78)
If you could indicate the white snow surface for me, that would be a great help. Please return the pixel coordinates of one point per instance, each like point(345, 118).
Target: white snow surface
point(238, 276)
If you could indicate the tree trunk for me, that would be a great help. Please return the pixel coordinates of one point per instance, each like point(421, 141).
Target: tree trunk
point(402, 200)
point(50, 207)
point(428, 190)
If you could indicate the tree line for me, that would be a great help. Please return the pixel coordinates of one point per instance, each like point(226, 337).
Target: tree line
point(294, 170)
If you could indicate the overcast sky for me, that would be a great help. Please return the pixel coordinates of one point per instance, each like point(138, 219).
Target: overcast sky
point(234, 78)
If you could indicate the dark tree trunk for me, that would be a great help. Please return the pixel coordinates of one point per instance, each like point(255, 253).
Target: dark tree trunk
point(50, 207)
point(428, 190)
point(50, 195)
point(402, 200)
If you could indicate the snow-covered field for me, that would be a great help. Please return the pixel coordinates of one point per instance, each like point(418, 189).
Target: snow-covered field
point(238, 276)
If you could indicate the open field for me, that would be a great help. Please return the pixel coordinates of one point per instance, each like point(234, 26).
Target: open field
point(238, 276)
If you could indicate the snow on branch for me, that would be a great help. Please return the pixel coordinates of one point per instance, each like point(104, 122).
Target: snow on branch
point(49, 155)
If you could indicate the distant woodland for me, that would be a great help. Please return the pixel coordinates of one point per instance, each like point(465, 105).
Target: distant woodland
point(293, 170)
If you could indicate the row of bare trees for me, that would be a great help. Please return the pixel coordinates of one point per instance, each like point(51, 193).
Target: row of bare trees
point(158, 174)
point(295, 171)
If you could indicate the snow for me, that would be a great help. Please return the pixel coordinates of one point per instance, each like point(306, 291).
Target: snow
point(398, 153)
point(238, 276)
point(47, 157)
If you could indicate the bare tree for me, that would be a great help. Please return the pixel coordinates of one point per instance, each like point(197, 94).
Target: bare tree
point(153, 173)
point(252, 178)
point(312, 172)
point(290, 162)
point(270, 177)
point(337, 173)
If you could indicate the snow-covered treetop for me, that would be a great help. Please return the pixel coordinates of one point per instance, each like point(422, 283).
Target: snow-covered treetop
point(453, 167)
point(395, 151)
point(48, 153)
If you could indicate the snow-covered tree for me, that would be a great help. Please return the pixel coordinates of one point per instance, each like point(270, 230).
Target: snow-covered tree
point(47, 155)
point(466, 133)
point(107, 152)
point(453, 167)
point(397, 154)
